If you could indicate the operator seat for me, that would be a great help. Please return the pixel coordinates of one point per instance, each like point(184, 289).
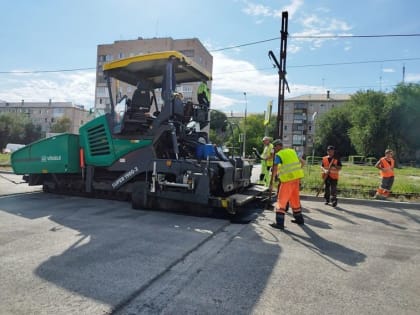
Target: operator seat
point(136, 118)
point(141, 100)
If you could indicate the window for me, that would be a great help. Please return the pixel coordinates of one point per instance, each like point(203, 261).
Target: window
point(101, 91)
point(300, 105)
point(298, 139)
point(188, 53)
point(57, 112)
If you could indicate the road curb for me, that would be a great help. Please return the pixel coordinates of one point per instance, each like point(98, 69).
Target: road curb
point(367, 202)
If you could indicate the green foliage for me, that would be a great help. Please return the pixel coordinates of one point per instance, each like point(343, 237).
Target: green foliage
point(17, 128)
point(218, 127)
point(62, 124)
point(255, 131)
point(333, 129)
point(403, 110)
point(369, 119)
point(372, 122)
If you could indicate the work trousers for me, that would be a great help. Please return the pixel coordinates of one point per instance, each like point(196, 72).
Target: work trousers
point(386, 186)
point(330, 193)
point(289, 192)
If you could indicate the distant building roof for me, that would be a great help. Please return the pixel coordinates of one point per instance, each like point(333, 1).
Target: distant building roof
point(39, 104)
point(320, 97)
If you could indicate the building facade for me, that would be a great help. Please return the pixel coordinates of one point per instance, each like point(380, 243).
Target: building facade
point(300, 116)
point(191, 48)
point(46, 114)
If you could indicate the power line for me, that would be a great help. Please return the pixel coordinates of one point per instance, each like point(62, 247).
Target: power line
point(325, 64)
point(353, 36)
point(352, 62)
point(317, 37)
point(247, 44)
point(255, 43)
point(45, 71)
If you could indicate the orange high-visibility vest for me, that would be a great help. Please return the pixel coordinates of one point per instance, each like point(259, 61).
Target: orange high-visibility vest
point(389, 167)
point(326, 164)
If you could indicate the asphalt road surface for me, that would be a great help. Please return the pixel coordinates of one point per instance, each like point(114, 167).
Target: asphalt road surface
point(71, 255)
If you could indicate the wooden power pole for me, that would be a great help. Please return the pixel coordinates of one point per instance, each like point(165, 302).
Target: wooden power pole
point(282, 74)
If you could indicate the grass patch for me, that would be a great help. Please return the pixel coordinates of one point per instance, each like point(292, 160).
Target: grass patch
point(361, 181)
point(4, 159)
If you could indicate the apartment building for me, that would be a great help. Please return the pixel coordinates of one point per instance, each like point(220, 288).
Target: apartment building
point(46, 114)
point(300, 115)
point(191, 48)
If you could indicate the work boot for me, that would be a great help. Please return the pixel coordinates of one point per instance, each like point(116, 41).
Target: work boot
point(327, 201)
point(279, 221)
point(334, 202)
point(298, 218)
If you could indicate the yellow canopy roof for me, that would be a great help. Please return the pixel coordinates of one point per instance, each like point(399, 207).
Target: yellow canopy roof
point(151, 67)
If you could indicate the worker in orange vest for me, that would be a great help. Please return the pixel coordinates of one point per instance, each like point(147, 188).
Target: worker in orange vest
point(288, 167)
point(330, 166)
point(386, 171)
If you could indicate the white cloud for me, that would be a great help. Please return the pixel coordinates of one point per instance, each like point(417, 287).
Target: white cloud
point(292, 48)
point(233, 77)
point(315, 25)
point(412, 77)
point(265, 11)
point(257, 10)
point(240, 75)
point(293, 7)
point(77, 87)
point(388, 70)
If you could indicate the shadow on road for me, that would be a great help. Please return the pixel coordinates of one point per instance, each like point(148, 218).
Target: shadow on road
point(329, 250)
point(113, 254)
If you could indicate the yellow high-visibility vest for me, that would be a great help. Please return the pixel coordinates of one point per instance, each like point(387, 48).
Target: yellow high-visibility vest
point(266, 153)
point(290, 168)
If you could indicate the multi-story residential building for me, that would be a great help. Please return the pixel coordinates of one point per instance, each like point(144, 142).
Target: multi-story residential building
point(191, 48)
point(46, 114)
point(300, 115)
point(299, 118)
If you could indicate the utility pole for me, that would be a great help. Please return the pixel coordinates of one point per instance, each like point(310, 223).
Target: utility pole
point(246, 105)
point(282, 74)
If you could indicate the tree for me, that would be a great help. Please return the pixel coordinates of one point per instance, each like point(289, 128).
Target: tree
point(218, 126)
point(62, 124)
point(255, 131)
point(369, 120)
point(403, 110)
point(17, 128)
point(332, 128)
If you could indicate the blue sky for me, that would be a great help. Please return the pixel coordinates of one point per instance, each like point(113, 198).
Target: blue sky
point(47, 35)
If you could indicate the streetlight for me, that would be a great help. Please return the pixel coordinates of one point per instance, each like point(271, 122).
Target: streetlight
point(246, 105)
point(313, 139)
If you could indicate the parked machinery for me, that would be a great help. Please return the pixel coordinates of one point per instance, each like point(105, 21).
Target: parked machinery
point(159, 158)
